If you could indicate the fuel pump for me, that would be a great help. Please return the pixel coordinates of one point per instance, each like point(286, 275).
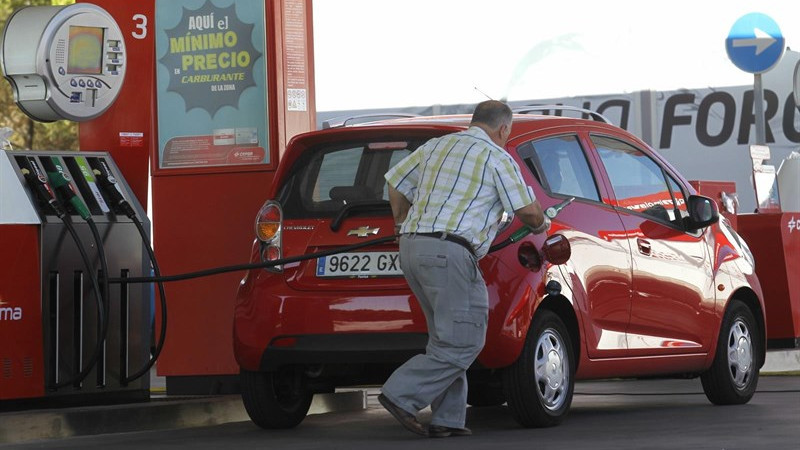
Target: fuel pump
point(84, 339)
point(69, 63)
point(71, 219)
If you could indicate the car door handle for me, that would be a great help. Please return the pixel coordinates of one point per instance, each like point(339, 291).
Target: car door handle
point(644, 246)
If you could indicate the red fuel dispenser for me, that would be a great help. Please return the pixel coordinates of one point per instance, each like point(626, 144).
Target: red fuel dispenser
point(773, 235)
point(66, 331)
point(774, 239)
point(52, 316)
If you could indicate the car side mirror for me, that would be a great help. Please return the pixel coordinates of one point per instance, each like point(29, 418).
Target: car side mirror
point(703, 212)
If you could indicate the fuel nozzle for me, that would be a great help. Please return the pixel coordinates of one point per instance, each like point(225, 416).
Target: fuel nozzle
point(109, 186)
point(42, 190)
point(61, 183)
point(553, 211)
point(550, 213)
point(520, 233)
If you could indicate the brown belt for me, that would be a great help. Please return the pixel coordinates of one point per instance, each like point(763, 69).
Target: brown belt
point(454, 238)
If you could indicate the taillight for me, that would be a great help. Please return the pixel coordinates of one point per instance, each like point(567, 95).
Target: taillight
point(268, 222)
point(268, 225)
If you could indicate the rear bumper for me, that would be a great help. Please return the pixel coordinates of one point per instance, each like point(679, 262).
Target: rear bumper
point(275, 325)
point(358, 348)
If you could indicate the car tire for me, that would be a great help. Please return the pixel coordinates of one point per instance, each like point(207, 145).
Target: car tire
point(733, 376)
point(486, 393)
point(540, 384)
point(275, 400)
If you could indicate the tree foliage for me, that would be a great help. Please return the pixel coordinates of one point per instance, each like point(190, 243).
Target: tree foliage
point(29, 134)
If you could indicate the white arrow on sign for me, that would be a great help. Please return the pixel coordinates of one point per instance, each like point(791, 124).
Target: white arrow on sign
point(761, 42)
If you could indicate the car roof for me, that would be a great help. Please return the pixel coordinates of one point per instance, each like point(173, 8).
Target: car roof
point(522, 124)
point(463, 120)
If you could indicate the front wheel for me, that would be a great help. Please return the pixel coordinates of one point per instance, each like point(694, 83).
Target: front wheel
point(540, 384)
point(275, 399)
point(733, 376)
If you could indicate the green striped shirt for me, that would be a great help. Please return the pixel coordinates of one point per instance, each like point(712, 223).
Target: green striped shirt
point(460, 183)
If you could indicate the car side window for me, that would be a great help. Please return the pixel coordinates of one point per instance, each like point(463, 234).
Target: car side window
point(560, 165)
point(639, 183)
point(681, 208)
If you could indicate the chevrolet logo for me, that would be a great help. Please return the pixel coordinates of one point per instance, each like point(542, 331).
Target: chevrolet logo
point(363, 231)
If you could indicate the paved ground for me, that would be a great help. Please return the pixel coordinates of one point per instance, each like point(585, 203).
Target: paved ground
point(652, 414)
point(593, 400)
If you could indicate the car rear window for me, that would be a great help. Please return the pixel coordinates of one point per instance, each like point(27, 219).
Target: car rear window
point(328, 177)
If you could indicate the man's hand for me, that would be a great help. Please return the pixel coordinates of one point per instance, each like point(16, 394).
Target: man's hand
point(543, 227)
point(532, 216)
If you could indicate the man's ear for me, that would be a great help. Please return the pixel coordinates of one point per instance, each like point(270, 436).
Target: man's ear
point(504, 131)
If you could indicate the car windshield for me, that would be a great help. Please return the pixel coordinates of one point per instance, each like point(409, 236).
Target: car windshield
point(332, 176)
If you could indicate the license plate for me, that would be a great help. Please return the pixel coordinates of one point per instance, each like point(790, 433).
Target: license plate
point(366, 264)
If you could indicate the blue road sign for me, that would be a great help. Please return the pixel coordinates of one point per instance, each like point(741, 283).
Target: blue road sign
point(755, 43)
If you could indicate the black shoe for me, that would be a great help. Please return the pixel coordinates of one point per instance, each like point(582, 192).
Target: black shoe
point(405, 418)
point(438, 431)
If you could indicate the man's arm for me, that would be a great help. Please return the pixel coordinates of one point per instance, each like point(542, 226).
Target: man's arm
point(532, 216)
point(400, 205)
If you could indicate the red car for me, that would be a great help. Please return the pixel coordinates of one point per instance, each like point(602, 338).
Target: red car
point(656, 283)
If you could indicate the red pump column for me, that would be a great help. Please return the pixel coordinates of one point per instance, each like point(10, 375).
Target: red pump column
point(212, 95)
point(774, 239)
point(127, 129)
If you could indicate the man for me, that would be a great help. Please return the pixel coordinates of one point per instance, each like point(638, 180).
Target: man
point(447, 199)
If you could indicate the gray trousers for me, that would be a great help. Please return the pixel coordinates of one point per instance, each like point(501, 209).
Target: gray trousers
point(445, 278)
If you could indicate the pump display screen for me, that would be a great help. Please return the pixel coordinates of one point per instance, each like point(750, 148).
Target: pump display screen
point(85, 50)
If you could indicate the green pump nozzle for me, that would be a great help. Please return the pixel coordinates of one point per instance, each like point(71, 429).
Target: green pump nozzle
point(550, 212)
point(553, 211)
point(60, 181)
point(520, 233)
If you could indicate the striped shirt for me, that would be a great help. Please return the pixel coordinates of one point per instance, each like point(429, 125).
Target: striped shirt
point(460, 184)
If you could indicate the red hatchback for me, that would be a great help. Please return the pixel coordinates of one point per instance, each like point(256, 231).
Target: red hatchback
point(656, 283)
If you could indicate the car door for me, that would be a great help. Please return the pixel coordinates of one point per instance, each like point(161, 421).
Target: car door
point(673, 285)
point(599, 269)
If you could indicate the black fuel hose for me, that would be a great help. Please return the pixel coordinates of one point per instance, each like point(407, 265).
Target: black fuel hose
point(104, 292)
point(261, 265)
point(61, 184)
point(101, 314)
point(108, 185)
point(514, 237)
point(38, 184)
point(162, 336)
point(523, 231)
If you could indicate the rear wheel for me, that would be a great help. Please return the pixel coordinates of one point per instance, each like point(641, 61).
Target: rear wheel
point(275, 399)
point(733, 376)
point(539, 385)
